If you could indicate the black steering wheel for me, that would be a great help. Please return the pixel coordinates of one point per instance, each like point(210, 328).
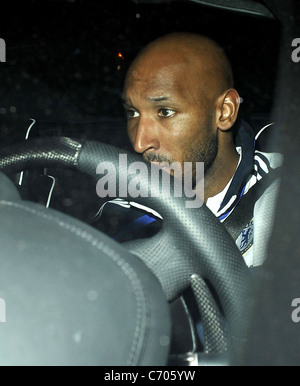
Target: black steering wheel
point(192, 245)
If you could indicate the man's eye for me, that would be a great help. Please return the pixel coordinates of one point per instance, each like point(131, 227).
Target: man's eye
point(132, 114)
point(166, 113)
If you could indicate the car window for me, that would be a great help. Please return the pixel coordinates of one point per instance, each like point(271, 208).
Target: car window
point(65, 66)
point(66, 60)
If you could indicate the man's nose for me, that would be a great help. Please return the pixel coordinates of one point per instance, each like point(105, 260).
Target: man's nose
point(146, 136)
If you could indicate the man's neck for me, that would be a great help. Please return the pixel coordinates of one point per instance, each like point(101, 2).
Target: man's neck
point(218, 176)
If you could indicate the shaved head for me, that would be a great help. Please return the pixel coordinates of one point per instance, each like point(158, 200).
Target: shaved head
point(201, 54)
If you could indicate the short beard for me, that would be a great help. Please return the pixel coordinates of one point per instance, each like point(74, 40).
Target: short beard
point(152, 157)
point(205, 151)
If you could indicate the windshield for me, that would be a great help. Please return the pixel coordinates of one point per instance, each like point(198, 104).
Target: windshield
point(66, 61)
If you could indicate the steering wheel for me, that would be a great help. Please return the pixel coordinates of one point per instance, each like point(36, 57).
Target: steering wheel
point(192, 245)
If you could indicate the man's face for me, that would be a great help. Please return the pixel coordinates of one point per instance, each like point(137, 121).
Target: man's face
point(169, 117)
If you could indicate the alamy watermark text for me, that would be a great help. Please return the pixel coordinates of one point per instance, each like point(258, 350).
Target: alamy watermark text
point(136, 180)
point(296, 51)
point(2, 50)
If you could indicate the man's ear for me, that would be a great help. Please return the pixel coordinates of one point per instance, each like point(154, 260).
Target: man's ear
point(228, 103)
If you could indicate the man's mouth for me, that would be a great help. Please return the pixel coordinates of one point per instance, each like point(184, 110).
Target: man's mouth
point(165, 166)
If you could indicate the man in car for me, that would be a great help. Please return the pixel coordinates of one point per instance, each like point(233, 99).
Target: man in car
point(182, 106)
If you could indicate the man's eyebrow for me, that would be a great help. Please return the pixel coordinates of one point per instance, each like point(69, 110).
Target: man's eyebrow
point(158, 99)
point(126, 102)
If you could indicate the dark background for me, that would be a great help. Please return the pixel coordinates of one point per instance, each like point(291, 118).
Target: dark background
point(63, 67)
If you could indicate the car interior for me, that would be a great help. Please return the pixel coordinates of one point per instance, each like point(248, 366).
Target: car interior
point(86, 280)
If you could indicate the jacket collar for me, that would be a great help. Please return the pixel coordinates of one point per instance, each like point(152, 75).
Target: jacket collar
point(245, 140)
